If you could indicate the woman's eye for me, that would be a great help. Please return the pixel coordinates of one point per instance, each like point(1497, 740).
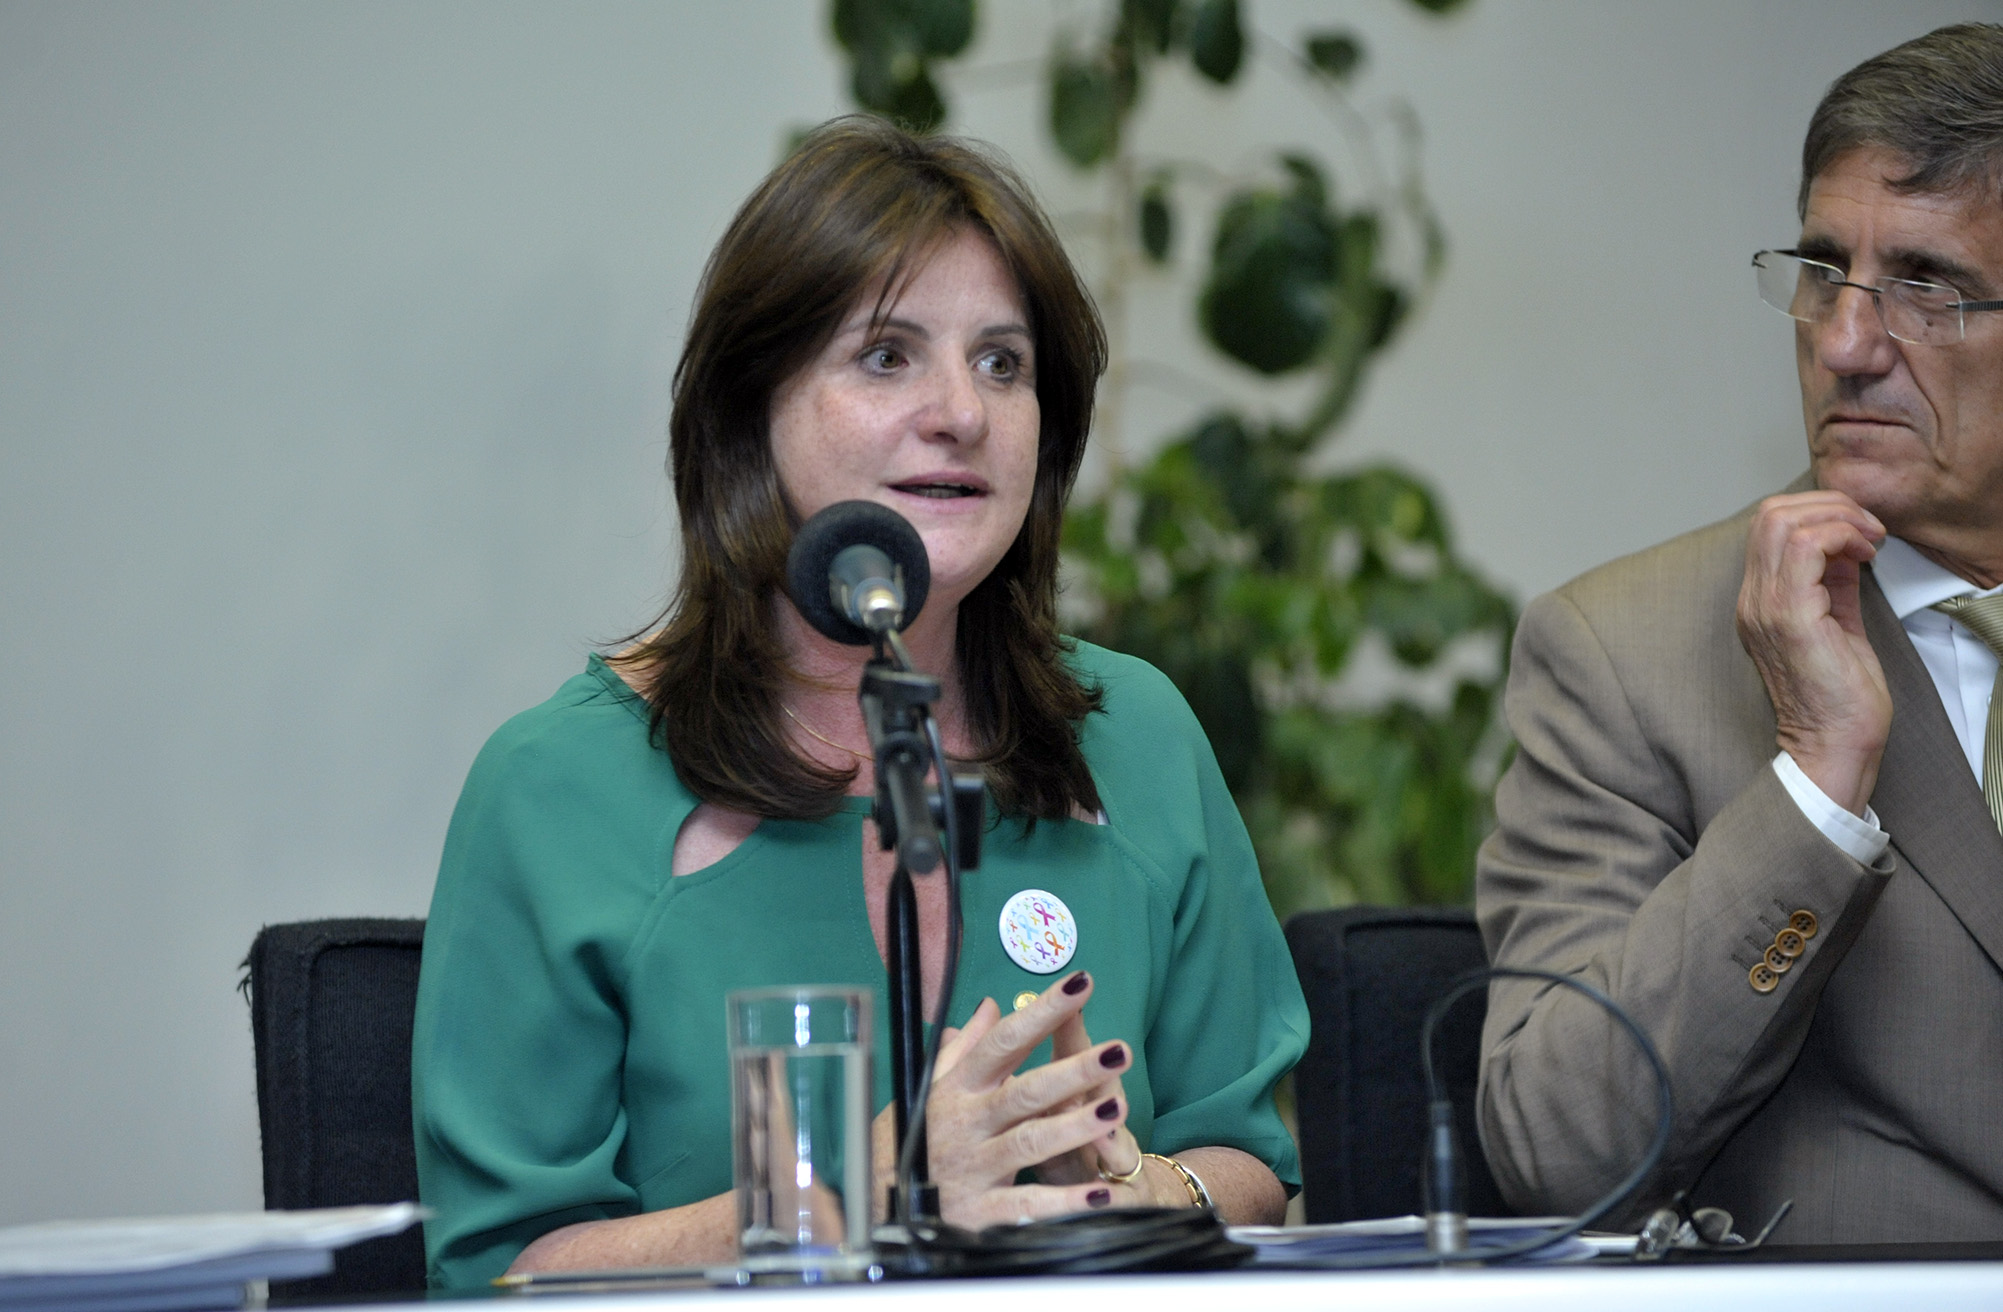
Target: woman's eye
point(882, 358)
point(1003, 364)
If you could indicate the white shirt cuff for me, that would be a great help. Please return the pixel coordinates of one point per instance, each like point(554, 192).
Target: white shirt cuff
point(1860, 840)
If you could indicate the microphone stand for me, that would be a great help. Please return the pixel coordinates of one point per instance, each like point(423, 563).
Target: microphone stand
point(905, 740)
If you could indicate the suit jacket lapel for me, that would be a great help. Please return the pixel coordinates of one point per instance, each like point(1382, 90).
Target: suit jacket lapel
point(1926, 799)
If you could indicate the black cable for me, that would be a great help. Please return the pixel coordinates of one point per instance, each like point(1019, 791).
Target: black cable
point(1665, 1095)
point(1117, 1239)
point(1664, 1125)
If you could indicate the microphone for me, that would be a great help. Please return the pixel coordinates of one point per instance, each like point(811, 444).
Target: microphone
point(858, 570)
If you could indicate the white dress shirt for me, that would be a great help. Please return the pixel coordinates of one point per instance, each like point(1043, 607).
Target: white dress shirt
point(1964, 674)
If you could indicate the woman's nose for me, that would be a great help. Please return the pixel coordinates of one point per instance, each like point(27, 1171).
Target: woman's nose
point(961, 412)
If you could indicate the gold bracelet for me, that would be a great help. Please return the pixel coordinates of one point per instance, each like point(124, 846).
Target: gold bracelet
point(1198, 1195)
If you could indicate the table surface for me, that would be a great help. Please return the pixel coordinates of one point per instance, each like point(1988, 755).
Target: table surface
point(1938, 1286)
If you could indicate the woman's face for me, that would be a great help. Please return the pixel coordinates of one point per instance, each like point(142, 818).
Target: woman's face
point(932, 412)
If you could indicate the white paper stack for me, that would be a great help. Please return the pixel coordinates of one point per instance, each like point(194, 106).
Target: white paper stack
point(1365, 1241)
point(178, 1263)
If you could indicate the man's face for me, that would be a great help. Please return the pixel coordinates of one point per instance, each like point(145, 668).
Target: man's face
point(1913, 434)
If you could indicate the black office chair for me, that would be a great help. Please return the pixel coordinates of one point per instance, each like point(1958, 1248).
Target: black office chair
point(330, 1014)
point(1369, 974)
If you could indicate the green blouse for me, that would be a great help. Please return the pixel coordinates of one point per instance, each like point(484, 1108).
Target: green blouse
point(569, 1059)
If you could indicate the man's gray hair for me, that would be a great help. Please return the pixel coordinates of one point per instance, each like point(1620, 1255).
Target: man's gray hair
point(1936, 101)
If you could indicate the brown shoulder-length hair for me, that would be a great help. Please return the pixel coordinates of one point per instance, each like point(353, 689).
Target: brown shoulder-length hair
point(855, 211)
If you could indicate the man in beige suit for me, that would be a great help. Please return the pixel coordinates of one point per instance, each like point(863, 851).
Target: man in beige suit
point(1748, 801)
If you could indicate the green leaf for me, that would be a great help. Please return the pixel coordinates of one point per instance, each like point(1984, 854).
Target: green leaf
point(1256, 476)
point(1156, 221)
point(890, 43)
point(1267, 301)
point(1154, 25)
point(1222, 448)
point(905, 95)
point(1336, 623)
point(1084, 109)
point(1217, 40)
point(1359, 245)
point(1389, 506)
point(929, 28)
point(1085, 531)
point(1384, 315)
point(858, 23)
point(1419, 617)
point(1436, 244)
point(1335, 55)
point(1310, 183)
point(1220, 692)
point(943, 27)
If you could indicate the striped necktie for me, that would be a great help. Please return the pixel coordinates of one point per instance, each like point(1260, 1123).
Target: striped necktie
point(1983, 617)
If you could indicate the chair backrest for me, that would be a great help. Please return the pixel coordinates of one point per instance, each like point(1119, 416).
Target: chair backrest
point(331, 1003)
point(1369, 974)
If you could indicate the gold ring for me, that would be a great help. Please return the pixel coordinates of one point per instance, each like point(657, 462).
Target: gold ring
point(1128, 1178)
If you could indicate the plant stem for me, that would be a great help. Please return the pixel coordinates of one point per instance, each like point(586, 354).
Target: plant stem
point(1113, 308)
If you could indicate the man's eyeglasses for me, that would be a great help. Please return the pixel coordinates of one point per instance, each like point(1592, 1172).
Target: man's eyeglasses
point(1924, 313)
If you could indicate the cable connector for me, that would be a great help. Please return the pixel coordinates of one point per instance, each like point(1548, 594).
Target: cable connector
point(1445, 1183)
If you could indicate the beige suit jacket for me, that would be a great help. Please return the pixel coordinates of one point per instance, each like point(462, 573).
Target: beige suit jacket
point(1645, 843)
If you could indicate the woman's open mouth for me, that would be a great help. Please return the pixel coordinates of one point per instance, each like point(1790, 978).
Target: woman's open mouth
point(940, 490)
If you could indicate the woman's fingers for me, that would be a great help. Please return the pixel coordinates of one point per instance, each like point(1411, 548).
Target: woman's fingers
point(1035, 1140)
point(1090, 1077)
point(1070, 1038)
point(882, 1159)
point(954, 1044)
point(1004, 1047)
point(1063, 1119)
point(983, 1144)
point(990, 1099)
point(1030, 1202)
point(1118, 1153)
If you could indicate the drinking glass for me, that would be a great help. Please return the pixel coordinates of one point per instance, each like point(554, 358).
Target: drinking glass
point(799, 1125)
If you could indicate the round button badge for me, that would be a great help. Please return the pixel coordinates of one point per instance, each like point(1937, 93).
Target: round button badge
point(1038, 931)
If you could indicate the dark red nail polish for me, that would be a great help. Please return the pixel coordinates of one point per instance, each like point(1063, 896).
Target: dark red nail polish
point(1107, 1110)
point(1076, 984)
point(1113, 1056)
point(1099, 1198)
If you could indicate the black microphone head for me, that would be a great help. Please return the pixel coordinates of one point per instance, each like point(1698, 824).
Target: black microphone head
point(847, 524)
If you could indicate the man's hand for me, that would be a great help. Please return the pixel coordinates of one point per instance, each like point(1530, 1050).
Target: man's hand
point(1801, 620)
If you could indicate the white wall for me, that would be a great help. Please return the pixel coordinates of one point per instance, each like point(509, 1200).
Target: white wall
point(334, 343)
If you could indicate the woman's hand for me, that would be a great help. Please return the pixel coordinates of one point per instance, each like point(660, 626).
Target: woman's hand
point(1116, 1152)
point(985, 1123)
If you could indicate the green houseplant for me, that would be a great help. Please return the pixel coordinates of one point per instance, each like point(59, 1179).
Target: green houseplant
point(1236, 556)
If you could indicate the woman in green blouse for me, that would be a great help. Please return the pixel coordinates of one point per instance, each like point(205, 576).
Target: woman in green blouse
point(888, 318)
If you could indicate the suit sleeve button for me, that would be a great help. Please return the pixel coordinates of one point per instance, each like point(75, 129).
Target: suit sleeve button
point(1804, 923)
point(1764, 978)
point(1790, 943)
point(1777, 961)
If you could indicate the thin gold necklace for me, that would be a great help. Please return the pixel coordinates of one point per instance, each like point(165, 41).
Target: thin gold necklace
point(820, 736)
